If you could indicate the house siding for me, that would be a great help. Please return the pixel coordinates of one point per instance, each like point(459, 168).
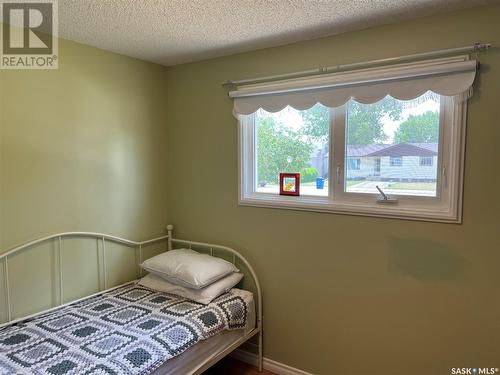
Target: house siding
point(367, 168)
point(411, 169)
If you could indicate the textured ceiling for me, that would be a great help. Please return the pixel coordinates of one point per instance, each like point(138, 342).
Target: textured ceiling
point(170, 32)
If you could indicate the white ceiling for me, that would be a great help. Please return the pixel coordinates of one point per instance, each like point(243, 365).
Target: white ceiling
point(170, 32)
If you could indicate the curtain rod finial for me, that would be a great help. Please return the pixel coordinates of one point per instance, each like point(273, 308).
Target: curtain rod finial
point(481, 46)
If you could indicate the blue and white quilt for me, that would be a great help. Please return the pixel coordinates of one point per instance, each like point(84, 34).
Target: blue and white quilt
point(130, 330)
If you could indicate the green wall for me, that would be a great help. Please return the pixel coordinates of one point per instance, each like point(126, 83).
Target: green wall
point(81, 148)
point(120, 146)
point(345, 294)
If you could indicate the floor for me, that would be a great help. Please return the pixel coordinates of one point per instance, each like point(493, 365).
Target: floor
point(232, 366)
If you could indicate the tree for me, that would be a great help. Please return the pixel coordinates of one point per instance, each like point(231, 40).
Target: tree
point(364, 121)
point(279, 149)
point(422, 128)
point(316, 123)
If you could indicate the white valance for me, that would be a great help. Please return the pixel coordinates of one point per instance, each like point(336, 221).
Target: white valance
point(447, 76)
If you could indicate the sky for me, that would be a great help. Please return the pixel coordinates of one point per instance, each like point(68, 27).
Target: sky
point(291, 117)
point(390, 126)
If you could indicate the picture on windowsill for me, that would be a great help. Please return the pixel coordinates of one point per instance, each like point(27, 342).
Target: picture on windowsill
point(290, 184)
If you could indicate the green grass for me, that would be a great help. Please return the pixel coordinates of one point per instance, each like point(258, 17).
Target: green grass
point(312, 183)
point(352, 182)
point(394, 185)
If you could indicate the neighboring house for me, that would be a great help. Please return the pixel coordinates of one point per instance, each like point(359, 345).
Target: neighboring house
point(404, 161)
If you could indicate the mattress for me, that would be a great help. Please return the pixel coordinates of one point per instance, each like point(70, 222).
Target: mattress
point(130, 330)
point(193, 358)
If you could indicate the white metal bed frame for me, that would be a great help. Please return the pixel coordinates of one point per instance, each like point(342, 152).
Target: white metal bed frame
point(138, 245)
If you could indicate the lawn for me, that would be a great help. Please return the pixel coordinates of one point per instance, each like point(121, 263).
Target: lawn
point(312, 183)
point(428, 186)
point(349, 183)
point(353, 182)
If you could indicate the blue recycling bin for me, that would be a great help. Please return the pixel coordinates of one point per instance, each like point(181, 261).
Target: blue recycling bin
point(320, 183)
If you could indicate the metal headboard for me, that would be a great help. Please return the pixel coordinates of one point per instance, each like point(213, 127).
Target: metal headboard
point(59, 237)
point(137, 245)
point(235, 255)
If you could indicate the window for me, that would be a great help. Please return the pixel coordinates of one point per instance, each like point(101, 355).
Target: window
point(398, 151)
point(396, 161)
point(393, 143)
point(386, 157)
point(295, 142)
point(426, 161)
point(353, 164)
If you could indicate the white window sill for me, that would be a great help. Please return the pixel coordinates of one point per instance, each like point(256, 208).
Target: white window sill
point(326, 205)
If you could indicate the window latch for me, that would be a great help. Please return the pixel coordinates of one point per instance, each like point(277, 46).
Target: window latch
point(385, 198)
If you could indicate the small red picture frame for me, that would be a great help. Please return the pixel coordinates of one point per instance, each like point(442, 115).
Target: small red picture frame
point(290, 184)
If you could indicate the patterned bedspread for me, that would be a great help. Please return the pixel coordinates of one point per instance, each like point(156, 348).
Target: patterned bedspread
point(130, 330)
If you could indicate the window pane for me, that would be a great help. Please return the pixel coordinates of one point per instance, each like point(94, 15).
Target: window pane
point(393, 144)
point(293, 141)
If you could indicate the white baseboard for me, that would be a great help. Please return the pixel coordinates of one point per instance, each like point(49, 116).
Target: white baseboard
point(270, 365)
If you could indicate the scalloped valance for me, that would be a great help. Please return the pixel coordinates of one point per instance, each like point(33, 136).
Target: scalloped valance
point(450, 76)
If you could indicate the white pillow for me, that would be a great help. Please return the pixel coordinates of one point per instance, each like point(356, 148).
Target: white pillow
point(188, 268)
point(205, 295)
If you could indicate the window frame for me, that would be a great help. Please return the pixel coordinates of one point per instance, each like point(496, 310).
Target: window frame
point(392, 160)
point(421, 162)
point(445, 207)
point(358, 164)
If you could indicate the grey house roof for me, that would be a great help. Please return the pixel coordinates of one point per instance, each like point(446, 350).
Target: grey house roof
point(364, 150)
point(429, 146)
point(397, 150)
